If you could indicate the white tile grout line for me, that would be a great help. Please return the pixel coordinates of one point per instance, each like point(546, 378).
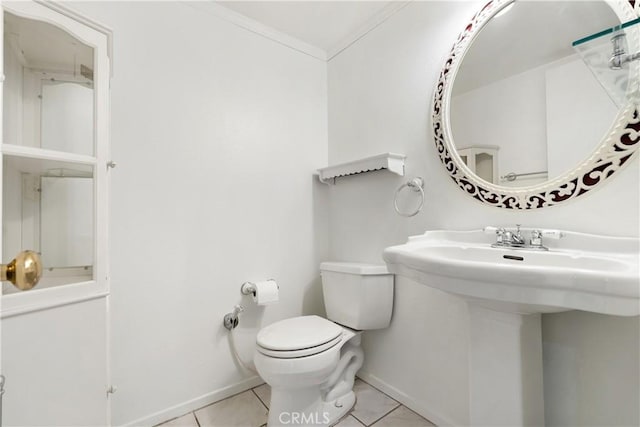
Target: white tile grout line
point(253, 390)
point(385, 415)
point(378, 419)
point(216, 402)
point(256, 395)
point(375, 388)
point(180, 416)
point(226, 398)
point(213, 403)
point(350, 414)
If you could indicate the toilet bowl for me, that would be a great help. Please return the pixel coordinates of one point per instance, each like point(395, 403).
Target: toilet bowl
point(301, 390)
point(311, 362)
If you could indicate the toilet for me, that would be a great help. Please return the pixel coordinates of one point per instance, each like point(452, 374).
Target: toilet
point(311, 362)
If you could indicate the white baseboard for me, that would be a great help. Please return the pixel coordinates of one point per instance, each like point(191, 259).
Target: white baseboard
point(197, 403)
point(408, 401)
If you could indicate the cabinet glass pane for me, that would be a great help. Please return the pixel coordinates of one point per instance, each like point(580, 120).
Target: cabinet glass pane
point(48, 207)
point(48, 89)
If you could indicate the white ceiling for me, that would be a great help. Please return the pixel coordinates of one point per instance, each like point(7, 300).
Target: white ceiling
point(323, 24)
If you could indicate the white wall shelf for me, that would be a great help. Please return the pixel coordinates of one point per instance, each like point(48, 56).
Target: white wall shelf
point(390, 161)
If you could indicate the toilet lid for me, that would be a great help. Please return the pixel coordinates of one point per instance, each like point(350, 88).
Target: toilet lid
point(298, 333)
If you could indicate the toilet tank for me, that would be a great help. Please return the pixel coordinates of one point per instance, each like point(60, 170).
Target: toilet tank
point(359, 296)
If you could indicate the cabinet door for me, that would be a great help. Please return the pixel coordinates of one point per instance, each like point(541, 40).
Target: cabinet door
point(55, 363)
point(54, 336)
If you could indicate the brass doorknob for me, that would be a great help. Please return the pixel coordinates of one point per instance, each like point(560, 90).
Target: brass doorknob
point(24, 271)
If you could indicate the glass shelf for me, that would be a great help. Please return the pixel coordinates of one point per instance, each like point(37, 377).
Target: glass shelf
point(596, 50)
point(601, 34)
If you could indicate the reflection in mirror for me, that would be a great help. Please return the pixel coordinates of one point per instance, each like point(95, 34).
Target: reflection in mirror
point(48, 89)
point(48, 206)
point(523, 101)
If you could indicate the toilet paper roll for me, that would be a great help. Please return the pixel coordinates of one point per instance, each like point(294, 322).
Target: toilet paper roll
point(266, 292)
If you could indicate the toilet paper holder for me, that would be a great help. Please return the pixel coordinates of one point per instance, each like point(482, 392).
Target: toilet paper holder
point(249, 288)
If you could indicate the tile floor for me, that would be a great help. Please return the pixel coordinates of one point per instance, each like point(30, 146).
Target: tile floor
point(249, 409)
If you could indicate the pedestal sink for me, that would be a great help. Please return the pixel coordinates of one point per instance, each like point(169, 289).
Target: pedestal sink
point(506, 291)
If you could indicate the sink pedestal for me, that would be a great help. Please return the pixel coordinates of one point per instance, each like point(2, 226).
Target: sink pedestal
point(505, 368)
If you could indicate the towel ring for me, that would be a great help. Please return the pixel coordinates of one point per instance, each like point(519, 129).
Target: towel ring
point(416, 184)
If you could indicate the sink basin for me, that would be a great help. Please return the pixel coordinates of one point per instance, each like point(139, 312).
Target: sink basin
point(506, 290)
point(580, 272)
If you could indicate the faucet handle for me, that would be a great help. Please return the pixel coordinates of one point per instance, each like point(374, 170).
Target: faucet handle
point(536, 238)
point(537, 235)
point(498, 231)
point(493, 230)
point(552, 234)
point(490, 230)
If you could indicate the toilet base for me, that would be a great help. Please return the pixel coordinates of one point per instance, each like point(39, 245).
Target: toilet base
point(341, 407)
point(314, 390)
point(320, 405)
point(305, 408)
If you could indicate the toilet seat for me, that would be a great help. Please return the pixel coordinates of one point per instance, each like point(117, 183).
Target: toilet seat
point(298, 337)
point(293, 354)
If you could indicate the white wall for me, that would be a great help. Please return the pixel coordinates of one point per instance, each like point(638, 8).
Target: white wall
point(380, 91)
point(591, 369)
point(216, 132)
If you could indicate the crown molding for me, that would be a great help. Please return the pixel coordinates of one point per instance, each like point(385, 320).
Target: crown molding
point(258, 28)
point(381, 16)
point(284, 39)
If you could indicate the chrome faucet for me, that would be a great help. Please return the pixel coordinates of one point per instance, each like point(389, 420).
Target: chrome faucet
point(515, 240)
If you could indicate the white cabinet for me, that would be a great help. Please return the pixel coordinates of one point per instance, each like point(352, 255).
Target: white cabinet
point(482, 160)
point(54, 175)
point(55, 142)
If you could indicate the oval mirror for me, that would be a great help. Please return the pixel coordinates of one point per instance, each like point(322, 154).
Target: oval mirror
point(528, 112)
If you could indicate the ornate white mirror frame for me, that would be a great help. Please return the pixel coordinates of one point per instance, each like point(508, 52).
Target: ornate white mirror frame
point(617, 149)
